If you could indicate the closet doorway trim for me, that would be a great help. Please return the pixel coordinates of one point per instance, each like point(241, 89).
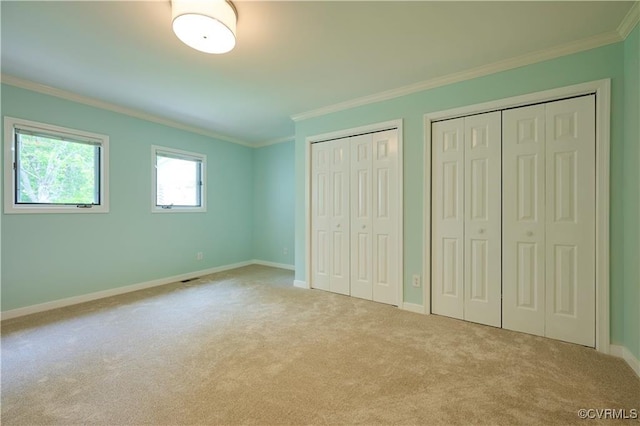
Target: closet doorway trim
point(602, 91)
point(371, 128)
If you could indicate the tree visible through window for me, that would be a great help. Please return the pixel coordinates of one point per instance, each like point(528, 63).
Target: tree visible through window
point(51, 169)
point(54, 171)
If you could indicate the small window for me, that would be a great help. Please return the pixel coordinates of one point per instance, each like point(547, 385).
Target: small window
point(178, 180)
point(51, 169)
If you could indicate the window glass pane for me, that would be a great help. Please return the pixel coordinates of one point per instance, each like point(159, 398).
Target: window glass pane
point(178, 182)
point(55, 171)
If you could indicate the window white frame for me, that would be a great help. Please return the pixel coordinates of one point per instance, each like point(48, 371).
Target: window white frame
point(10, 202)
point(186, 155)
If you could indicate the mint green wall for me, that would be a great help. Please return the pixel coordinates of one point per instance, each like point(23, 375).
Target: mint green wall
point(53, 256)
point(631, 186)
point(273, 198)
point(595, 64)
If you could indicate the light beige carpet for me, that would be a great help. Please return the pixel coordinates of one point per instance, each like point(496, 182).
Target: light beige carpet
point(245, 346)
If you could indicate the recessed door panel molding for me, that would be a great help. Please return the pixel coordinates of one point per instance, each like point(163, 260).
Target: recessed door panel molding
point(447, 243)
point(527, 187)
point(338, 194)
point(382, 193)
point(527, 276)
point(479, 189)
point(566, 191)
point(482, 218)
point(451, 278)
point(363, 259)
point(363, 198)
point(479, 271)
point(523, 219)
point(451, 190)
point(382, 256)
point(322, 250)
point(565, 280)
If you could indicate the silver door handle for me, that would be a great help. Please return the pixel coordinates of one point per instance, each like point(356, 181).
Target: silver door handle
point(338, 226)
point(364, 226)
point(481, 231)
point(529, 233)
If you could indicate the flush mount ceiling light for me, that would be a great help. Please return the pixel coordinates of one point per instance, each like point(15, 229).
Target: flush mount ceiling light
point(206, 25)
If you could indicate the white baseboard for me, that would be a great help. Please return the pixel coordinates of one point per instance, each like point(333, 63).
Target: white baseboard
point(300, 284)
point(273, 264)
point(412, 307)
point(624, 353)
point(41, 307)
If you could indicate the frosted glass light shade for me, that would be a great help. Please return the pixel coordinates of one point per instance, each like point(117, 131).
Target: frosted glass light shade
point(205, 25)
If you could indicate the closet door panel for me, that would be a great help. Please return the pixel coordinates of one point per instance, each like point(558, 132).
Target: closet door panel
point(570, 225)
point(340, 254)
point(386, 270)
point(321, 222)
point(448, 218)
point(482, 226)
point(523, 215)
point(361, 217)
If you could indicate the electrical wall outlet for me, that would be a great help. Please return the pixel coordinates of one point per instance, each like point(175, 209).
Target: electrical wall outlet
point(285, 251)
point(199, 255)
point(416, 281)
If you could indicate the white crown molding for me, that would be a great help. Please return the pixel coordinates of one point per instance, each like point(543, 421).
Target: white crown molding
point(70, 96)
point(629, 21)
point(504, 65)
point(274, 141)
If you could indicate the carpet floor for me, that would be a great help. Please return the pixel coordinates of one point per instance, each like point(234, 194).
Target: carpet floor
point(246, 347)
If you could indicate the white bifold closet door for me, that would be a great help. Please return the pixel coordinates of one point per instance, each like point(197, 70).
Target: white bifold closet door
point(374, 217)
point(549, 220)
point(330, 210)
point(355, 223)
point(466, 218)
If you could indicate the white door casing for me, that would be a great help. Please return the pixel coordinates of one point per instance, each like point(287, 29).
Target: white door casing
point(482, 224)
point(447, 245)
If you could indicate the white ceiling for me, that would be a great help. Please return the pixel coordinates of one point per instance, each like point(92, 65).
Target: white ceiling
point(291, 57)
